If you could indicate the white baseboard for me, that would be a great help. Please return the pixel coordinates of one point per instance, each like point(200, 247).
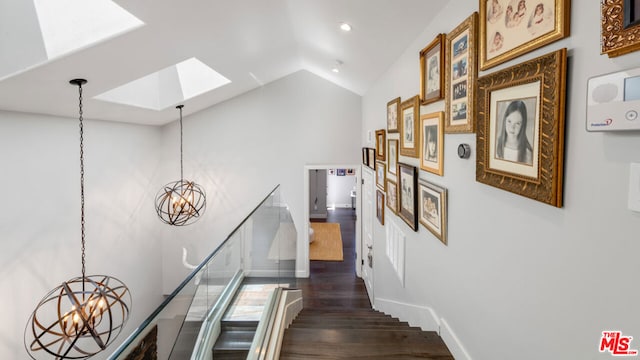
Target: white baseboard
point(452, 341)
point(425, 318)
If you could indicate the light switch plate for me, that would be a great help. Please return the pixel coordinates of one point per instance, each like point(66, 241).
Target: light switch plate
point(634, 187)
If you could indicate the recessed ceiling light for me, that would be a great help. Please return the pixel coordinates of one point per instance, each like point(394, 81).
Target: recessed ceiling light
point(335, 70)
point(345, 27)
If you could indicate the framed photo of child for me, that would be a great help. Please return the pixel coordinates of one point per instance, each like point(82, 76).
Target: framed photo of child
point(432, 143)
point(393, 109)
point(409, 127)
point(431, 71)
point(510, 28)
point(432, 205)
point(520, 133)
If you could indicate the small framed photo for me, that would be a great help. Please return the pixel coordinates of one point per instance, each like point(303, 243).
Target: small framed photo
point(380, 206)
point(620, 33)
point(380, 145)
point(510, 28)
point(431, 65)
point(381, 174)
point(407, 197)
point(371, 156)
point(392, 196)
point(520, 135)
point(409, 139)
point(461, 70)
point(432, 143)
point(392, 150)
point(351, 172)
point(432, 202)
point(341, 172)
point(365, 156)
point(393, 109)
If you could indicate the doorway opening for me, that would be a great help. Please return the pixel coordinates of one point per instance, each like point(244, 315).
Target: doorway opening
point(331, 195)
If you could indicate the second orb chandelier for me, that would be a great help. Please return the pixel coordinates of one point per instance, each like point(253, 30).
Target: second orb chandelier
point(180, 202)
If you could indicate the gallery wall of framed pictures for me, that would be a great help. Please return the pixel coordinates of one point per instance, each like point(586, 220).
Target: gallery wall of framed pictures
point(530, 95)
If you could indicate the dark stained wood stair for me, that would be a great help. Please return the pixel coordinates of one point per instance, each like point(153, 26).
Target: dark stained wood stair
point(337, 321)
point(358, 334)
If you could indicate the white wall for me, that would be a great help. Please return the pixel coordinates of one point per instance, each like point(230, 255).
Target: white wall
point(339, 189)
point(521, 279)
point(241, 149)
point(40, 215)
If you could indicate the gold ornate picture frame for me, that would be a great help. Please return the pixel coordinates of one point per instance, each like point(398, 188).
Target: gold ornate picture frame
point(620, 33)
point(409, 118)
point(510, 28)
point(393, 111)
point(520, 132)
point(392, 150)
point(381, 174)
point(392, 196)
point(381, 145)
point(432, 143)
point(432, 205)
point(431, 71)
point(380, 206)
point(461, 73)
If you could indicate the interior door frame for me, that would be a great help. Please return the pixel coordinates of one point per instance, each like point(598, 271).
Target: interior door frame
point(305, 227)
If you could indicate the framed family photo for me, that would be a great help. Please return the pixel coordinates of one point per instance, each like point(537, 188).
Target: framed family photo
point(620, 33)
point(431, 65)
point(392, 149)
point(381, 174)
point(393, 109)
point(461, 69)
point(409, 117)
point(432, 143)
point(407, 199)
point(380, 206)
point(381, 145)
point(520, 134)
point(432, 202)
point(510, 28)
point(392, 196)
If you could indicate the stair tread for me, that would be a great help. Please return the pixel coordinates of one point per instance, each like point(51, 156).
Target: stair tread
point(234, 340)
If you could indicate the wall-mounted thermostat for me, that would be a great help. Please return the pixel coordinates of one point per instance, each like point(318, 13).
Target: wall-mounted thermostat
point(613, 101)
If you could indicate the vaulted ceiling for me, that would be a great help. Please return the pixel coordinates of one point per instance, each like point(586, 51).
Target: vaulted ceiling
point(249, 42)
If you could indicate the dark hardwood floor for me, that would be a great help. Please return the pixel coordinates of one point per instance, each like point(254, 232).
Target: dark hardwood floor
point(338, 322)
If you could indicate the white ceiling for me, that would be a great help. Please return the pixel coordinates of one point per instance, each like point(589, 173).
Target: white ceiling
point(250, 42)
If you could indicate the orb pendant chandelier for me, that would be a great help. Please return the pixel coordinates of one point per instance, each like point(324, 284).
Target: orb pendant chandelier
point(180, 202)
point(84, 315)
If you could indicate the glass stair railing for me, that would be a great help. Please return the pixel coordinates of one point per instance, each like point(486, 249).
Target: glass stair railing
point(226, 296)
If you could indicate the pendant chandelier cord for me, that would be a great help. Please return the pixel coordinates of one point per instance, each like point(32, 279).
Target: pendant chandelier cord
point(181, 167)
point(82, 237)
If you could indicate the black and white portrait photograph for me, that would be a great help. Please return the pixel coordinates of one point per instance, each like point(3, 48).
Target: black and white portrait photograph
point(432, 142)
point(460, 90)
point(515, 130)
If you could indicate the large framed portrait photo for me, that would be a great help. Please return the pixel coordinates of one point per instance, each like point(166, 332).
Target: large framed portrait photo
point(409, 127)
point(510, 28)
point(431, 65)
point(461, 70)
point(520, 134)
point(432, 202)
point(407, 196)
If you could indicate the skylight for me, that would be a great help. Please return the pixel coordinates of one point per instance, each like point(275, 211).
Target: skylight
point(32, 33)
point(168, 86)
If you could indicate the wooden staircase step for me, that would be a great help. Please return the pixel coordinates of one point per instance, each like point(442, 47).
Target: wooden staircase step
point(362, 336)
